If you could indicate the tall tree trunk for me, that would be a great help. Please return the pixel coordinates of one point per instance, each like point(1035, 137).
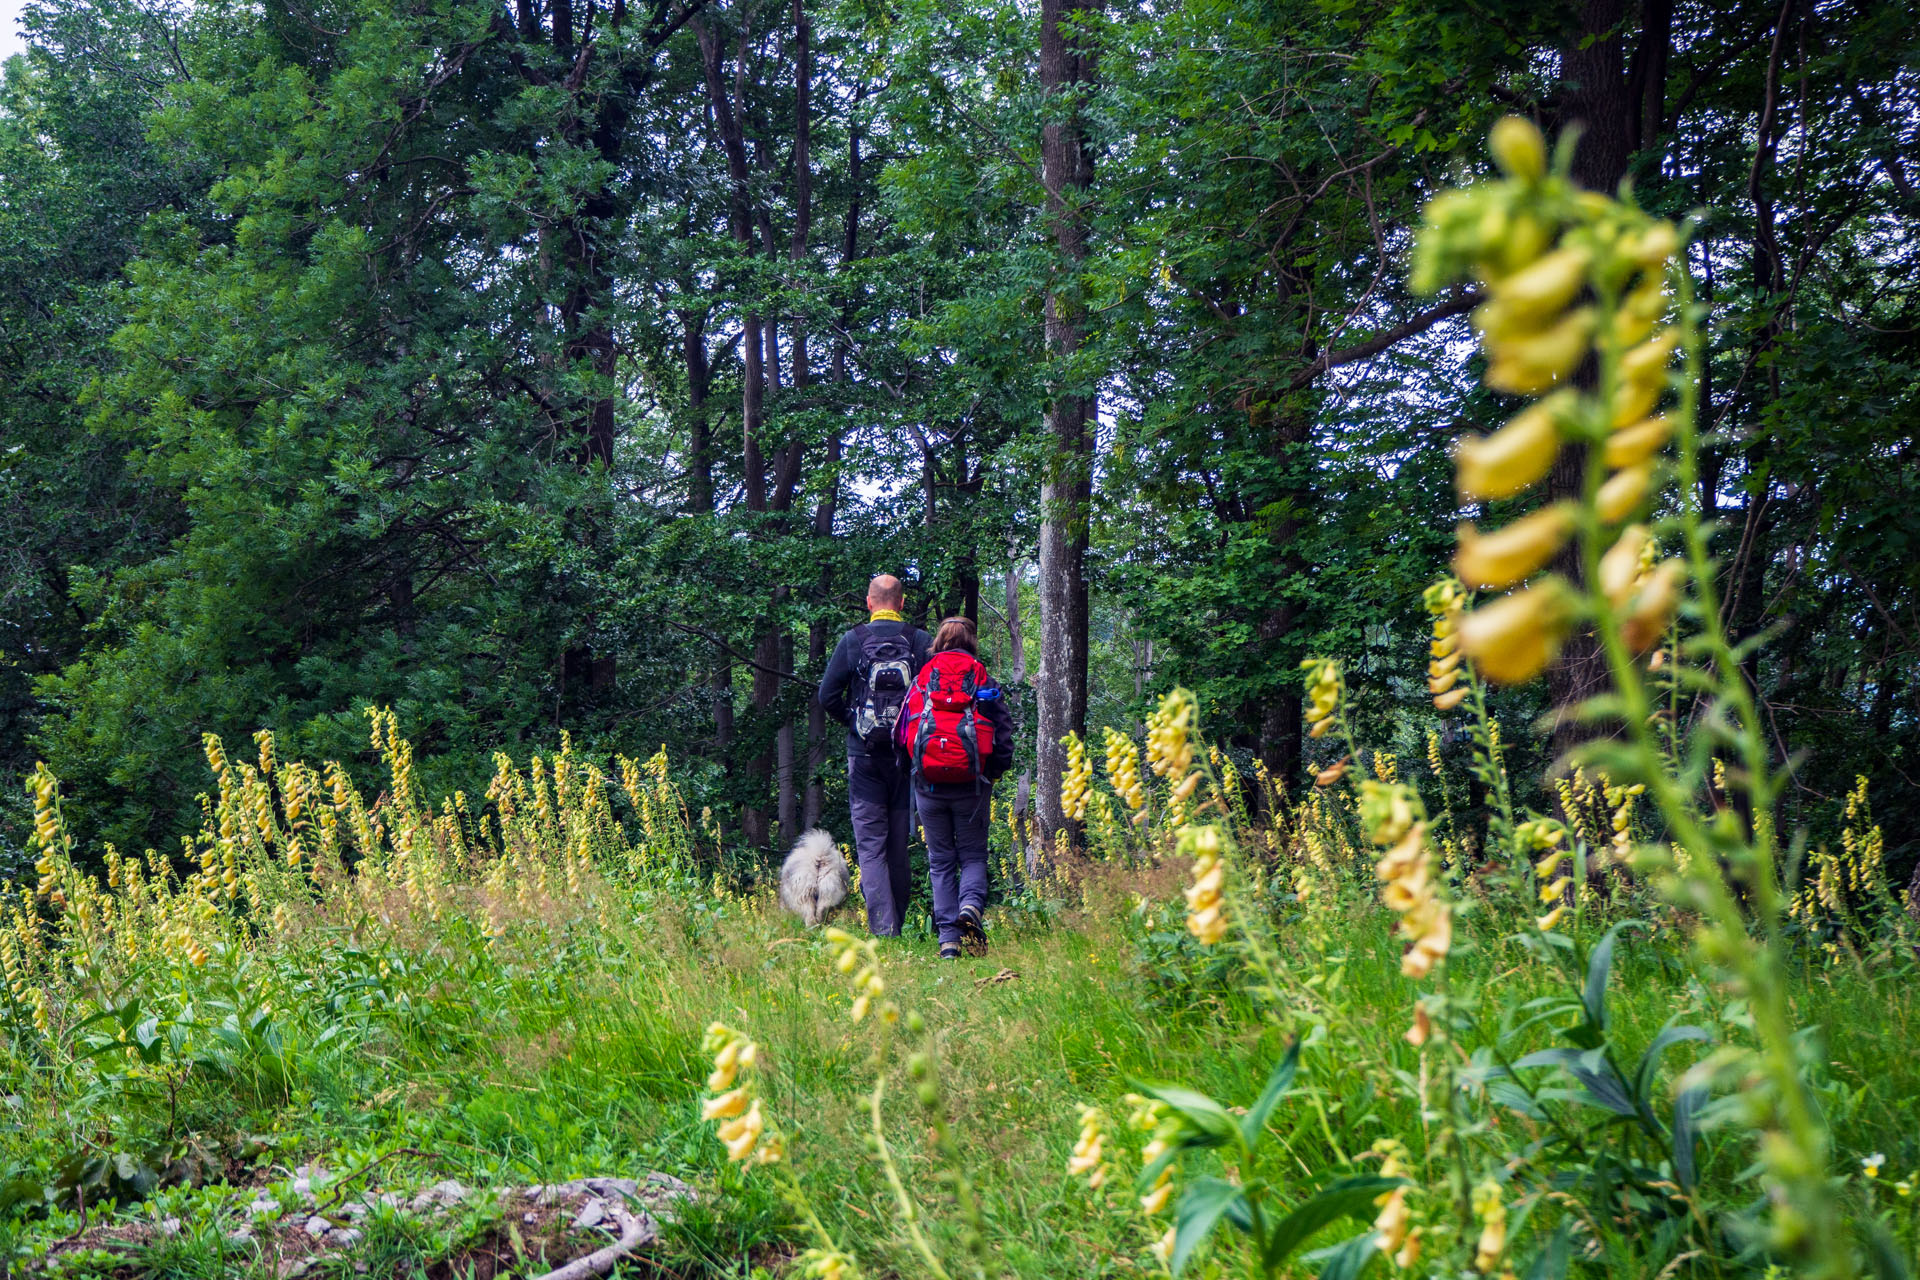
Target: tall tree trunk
point(1600, 103)
point(819, 735)
point(1285, 429)
point(729, 107)
point(1016, 680)
point(1066, 71)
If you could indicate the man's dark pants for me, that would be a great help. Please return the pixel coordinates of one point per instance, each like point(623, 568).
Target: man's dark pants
point(881, 790)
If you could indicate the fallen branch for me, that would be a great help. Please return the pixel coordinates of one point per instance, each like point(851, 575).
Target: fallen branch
point(634, 1232)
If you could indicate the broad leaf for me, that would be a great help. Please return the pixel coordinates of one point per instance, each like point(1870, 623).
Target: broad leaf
point(1669, 1036)
point(1254, 1123)
point(1599, 967)
point(1211, 1124)
point(1551, 1262)
point(1201, 1205)
point(1686, 1132)
point(1346, 1260)
point(1348, 1196)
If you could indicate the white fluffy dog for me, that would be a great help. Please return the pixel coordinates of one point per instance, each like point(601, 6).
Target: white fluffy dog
point(813, 880)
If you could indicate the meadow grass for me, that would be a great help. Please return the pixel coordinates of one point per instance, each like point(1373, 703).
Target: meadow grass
point(573, 1048)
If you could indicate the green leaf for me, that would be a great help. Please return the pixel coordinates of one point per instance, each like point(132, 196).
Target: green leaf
point(1669, 1036)
point(1551, 1262)
point(1599, 966)
point(1199, 1211)
point(1254, 1123)
point(1209, 1123)
point(1349, 1258)
point(1686, 1133)
point(1347, 1197)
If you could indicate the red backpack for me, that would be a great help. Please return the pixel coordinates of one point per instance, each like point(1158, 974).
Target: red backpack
point(946, 736)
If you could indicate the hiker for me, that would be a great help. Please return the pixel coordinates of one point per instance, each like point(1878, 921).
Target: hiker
point(865, 687)
point(959, 739)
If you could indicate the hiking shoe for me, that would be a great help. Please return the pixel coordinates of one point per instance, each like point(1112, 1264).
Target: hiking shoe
point(949, 951)
point(973, 936)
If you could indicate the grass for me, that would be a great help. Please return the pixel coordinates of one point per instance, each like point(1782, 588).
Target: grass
point(571, 1047)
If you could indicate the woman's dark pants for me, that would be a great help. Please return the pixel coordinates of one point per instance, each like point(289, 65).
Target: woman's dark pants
point(956, 833)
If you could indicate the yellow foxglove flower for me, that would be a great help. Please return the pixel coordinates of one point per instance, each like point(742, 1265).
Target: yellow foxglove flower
point(1394, 1221)
point(1496, 561)
point(1623, 491)
point(1155, 1201)
point(1547, 922)
point(1450, 699)
point(724, 1106)
point(1541, 291)
point(1515, 457)
point(1637, 442)
point(1532, 365)
point(1512, 639)
point(1620, 566)
point(1549, 892)
point(1654, 246)
point(1518, 148)
point(1653, 607)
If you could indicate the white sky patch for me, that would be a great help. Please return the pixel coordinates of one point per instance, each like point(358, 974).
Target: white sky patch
point(11, 40)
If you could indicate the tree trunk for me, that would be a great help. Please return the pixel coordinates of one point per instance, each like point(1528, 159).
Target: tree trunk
point(1602, 105)
point(1016, 673)
point(1066, 71)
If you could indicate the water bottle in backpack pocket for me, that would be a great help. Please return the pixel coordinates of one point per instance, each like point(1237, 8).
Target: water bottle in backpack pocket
point(885, 673)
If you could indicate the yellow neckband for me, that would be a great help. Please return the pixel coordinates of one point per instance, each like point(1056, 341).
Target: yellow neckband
point(885, 615)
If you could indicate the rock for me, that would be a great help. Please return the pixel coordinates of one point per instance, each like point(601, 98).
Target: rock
point(592, 1216)
point(345, 1237)
point(168, 1226)
point(440, 1195)
point(244, 1236)
point(264, 1206)
point(291, 1267)
point(318, 1226)
point(627, 1187)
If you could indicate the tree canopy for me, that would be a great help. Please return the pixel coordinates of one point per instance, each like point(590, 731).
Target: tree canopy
point(565, 365)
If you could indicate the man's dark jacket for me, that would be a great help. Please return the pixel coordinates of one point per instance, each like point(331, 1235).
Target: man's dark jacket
point(836, 685)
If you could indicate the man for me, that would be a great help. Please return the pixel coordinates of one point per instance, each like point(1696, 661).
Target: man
point(864, 688)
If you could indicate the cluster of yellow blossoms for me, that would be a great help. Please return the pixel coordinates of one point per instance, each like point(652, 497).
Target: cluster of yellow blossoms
point(1206, 918)
point(48, 831)
point(1446, 601)
point(1169, 733)
point(1545, 250)
point(860, 957)
point(1492, 1213)
point(1090, 1148)
point(1077, 784)
point(1151, 1116)
point(742, 1128)
point(1323, 694)
point(1123, 769)
point(1398, 1236)
point(826, 1264)
point(1556, 889)
point(1390, 816)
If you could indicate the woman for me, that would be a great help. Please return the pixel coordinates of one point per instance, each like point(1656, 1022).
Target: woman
point(959, 737)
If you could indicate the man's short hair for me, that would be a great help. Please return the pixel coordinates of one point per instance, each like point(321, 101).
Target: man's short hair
point(887, 591)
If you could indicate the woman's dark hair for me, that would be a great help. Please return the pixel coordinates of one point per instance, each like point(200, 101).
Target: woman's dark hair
point(956, 633)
